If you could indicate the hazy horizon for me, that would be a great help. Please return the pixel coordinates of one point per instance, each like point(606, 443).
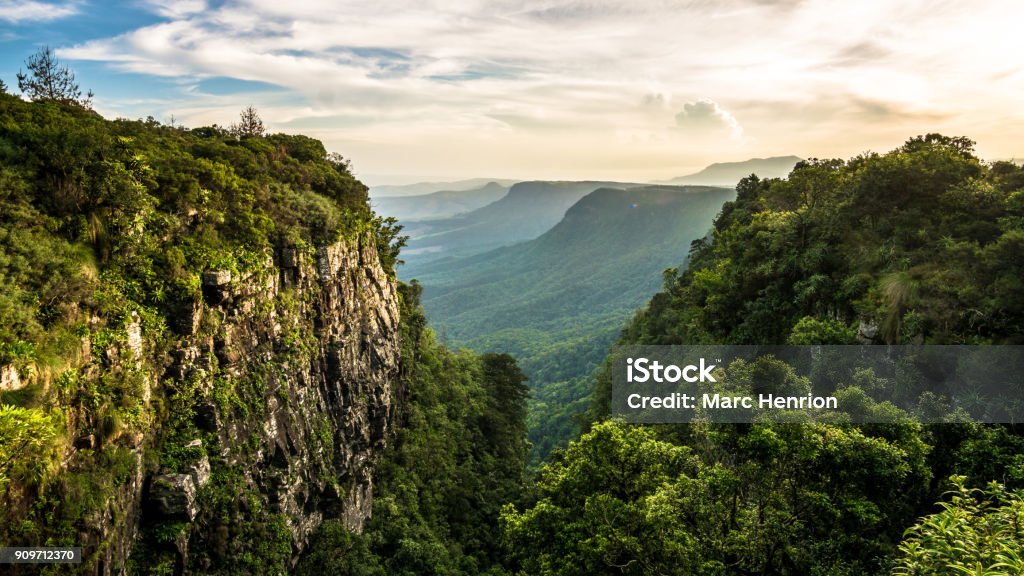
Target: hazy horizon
point(562, 90)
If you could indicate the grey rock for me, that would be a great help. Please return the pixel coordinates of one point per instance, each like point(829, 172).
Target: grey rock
point(187, 316)
point(200, 471)
point(216, 277)
point(174, 496)
point(217, 287)
point(290, 258)
point(867, 332)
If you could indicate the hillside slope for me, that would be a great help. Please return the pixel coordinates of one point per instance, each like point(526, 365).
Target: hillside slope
point(558, 301)
point(442, 204)
point(527, 211)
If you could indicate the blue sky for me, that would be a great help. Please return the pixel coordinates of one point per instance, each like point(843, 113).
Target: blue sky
point(34, 24)
point(596, 89)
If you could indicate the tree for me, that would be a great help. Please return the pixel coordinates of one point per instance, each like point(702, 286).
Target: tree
point(389, 242)
point(3, 87)
point(599, 509)
point(49, 80)
point(249, 124)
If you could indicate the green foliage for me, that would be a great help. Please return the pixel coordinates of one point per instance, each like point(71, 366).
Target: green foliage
point(811, 330)
point(389, 242)
point(595, 513)
point(915, 246)
point(913, 241)
point(27, 444)
point(337, 551)
point(242, 534)
point(768, 499)
point(977, 532)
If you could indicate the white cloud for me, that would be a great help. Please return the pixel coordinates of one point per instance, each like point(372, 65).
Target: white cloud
point(18, 11)
point(177, 8)
point(470, 76)
point(707, 117)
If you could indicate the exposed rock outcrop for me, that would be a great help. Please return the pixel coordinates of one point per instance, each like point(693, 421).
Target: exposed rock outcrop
point(311, 350)
point(286, 375)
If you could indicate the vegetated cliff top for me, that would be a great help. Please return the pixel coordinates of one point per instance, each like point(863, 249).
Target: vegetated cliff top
point(114, 232)
point(917, 245)
point(100, 217)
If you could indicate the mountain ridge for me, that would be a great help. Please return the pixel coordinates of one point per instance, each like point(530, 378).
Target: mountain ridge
point(729, 173)
point(425, 188)
point(440, 204)
point(527, 211)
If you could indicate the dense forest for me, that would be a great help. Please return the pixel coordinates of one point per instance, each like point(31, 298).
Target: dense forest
point(921, 245)
point(109, 225)
point(108, 229)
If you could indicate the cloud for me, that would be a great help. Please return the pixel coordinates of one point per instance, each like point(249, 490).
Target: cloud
point(461, 76)
point(862, 52)
point(176, 8)
point(19, 11)
point(707, 117)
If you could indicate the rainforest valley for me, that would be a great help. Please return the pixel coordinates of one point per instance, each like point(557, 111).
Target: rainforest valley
point(208, 366)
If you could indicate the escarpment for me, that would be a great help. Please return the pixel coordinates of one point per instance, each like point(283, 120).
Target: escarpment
point(199, 343)
point(261, 410)
point(289, 373)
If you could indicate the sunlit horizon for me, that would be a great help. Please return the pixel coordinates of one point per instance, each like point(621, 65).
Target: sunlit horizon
point(599, 90)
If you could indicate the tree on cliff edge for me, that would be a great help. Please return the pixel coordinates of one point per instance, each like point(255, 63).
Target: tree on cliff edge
point(48, 79)
point(249, 124)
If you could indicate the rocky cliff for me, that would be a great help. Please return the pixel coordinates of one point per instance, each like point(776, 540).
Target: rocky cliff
point(309, 347)
point(262, 409)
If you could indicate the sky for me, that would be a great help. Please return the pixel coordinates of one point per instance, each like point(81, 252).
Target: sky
point(549, 89)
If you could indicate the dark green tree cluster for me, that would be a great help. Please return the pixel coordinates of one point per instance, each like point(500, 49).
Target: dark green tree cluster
point(918, 245)
point(722, 499)
point(459, 454)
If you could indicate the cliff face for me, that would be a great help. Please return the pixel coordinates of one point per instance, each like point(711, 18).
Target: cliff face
point(185, 385)
point(270, 409)
point(315, 342)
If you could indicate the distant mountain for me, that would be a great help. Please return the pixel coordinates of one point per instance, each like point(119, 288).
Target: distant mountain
point(557, 302)
point(729, 173)
point(527, 211)
point(422, 188)
point(443, 204)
